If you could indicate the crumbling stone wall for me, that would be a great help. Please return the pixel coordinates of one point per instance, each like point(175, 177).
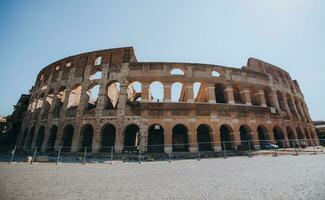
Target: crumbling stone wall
point(257, 97)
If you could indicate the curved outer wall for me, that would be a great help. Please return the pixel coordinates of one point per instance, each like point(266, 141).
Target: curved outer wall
point(258, 94)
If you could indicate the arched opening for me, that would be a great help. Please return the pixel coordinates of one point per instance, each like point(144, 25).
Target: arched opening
point(156, 138)
point(226, 137)
point(215, 74)
point(196, 89)
point(180, 138)
point(219, 93)
point(40, 137)
point(113, 92)
point(301, 137)
point(176, 92)
point(204, 137)
point(278, 136)
point(245, 138)
point(134, 91)
point(262, 137)
point(291, 137)
point(86, 136)
point(59, 101)
point(95, 73)
point(74, 97)
point(48, 102)
point(108, 138)
point(237, 96)
point(93, 97)
point(268, 98)
point(176, 71)
point(281, 100)
point(30, 138)
point(156, 92)
point(67, 138)
point(52, 138)
point(131, 138)
point(98, 60)
point(290, 104)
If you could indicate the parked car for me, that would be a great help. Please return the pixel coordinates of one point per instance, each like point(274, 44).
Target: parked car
point(270, 146)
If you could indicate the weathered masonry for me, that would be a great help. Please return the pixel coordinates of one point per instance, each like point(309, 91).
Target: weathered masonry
point(107, 98)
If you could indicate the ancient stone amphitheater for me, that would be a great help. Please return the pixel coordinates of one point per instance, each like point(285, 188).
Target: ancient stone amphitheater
point(107, 98)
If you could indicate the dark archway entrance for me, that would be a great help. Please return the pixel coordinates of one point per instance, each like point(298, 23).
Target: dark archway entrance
point(180, 138)
point(52, 139)
point(291, 137)
point(86, 136)
point(156, 138)
point(108, 138)
point(218, 90)
point(204, 138)
point(67, 138)
point(131, 135)
point(262, 138)
point(245, 138)
point(40, 137)
point(225, 137)
point(30, 138)
point(278, 136)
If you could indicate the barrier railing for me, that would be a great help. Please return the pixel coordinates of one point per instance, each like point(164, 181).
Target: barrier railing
point(171, 152)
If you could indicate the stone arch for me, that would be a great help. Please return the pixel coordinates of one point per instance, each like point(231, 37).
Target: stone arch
point(308, 137)
point(290, 103)
point(263, 137)
point(219, 93)
point(95, 73)
point(156, 138)
point(40, 137)
point(107, 139)
point(281, 100)
point(237, 96)
point(156, 92)
point(52, 138)
point(268, 97)
point(176, 71)
point(113, 91)
point(74, 97)
point(86, 138)
point(278, 136)
point(92, 95)
point(291, 136)
point(134, 90)
point(204, 135)
point(301, 136)
point(245, 137)
point(226, 137)
point(131, 137)
point(67, 137)
point(180, 138)
point(59, 101)
point(48, 101)
point(176, 92)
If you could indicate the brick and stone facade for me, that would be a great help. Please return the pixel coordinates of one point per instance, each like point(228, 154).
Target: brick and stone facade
point(220, 103)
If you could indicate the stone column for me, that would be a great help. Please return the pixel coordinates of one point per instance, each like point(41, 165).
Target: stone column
point(96, 139)
point(143, 138)
point(145, 93)
point(168, 142)
point(229, 93)
point(217, 146)
point(255, 140)
point(119, 139)
point(167, 92)
point(261, 97)
point(76, 137)
point(237, 140)
point(46, 138)
point(275, 100)
point(246, 96)
point(211, 93)
point(190, 93)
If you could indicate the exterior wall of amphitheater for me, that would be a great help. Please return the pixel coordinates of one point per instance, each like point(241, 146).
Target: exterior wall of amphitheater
point(258, 97)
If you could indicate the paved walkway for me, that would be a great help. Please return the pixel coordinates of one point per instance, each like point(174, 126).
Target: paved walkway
point(262, 177)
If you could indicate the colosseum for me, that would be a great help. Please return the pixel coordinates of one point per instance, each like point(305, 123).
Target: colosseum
point(104, 99)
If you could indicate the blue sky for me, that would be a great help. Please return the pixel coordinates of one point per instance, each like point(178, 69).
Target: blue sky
point(286, 33)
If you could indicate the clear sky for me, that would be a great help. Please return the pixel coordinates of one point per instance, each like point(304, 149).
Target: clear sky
point(286, 33)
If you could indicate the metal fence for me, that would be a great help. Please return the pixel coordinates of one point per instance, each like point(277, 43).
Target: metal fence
point(139, 154)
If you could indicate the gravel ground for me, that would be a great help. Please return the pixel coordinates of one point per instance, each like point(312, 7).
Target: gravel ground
point(261, 177)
